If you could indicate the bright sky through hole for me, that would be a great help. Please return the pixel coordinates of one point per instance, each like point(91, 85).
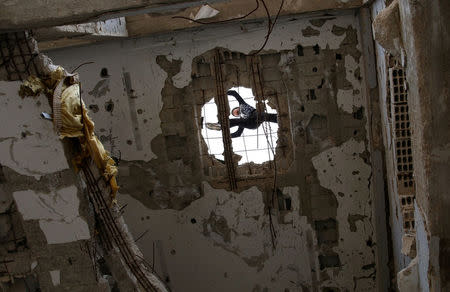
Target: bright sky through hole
point(252, 144)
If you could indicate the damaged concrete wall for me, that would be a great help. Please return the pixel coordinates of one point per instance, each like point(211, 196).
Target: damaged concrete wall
point(428, 70)
point(46, 217)
point(45, 225)
point(384, 62)
point(143, 96)
point(423, 54)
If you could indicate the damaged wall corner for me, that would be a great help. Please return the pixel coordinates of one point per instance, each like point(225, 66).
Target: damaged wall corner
point(387, 29)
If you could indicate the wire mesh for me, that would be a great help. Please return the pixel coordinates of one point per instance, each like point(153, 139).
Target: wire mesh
point(252, 144)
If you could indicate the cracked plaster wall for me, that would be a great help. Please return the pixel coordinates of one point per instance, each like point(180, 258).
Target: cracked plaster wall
point(45, 219)
point(206, 239)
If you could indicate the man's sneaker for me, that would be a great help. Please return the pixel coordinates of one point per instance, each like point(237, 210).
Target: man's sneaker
point(214, 126)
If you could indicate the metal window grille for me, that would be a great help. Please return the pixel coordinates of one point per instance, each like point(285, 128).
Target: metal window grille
point(242, 145)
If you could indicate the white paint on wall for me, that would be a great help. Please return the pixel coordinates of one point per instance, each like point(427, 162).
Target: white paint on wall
point(345, 100)
point(214, 262)
point(342, 170)
point(349, 100)
point(408, 278)
point(57, 213)
point(423, 250)
point(55, 275)
point(28, 143)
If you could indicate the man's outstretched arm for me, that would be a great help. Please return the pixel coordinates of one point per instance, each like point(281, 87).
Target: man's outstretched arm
point(238, 132)
point(237, 96)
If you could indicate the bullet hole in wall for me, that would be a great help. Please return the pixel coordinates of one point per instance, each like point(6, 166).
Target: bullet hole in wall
point(93, 108)
point(359, 114)
point(316, 49)
point(104, 73)
point(109, 106)
point(193, 221)
point(321, 84)
point(288, 203)
point(299, 50)
point(311, 95)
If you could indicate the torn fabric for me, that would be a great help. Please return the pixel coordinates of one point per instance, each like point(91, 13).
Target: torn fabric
point(71, 120)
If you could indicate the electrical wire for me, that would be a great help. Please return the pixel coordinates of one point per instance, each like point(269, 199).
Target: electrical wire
point(270, 26)
point(270, 23)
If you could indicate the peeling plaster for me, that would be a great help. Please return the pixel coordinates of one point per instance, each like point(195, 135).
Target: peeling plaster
point(28, 143)
point(283, 37)
point(209, 256)
point(139, 57)
point(223, 235)
point(147, 80)
point(336, 171)
point(55, 275)
point(350, 99)
point(57, 213)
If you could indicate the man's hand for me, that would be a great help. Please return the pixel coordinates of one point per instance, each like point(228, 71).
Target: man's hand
point(237, 96)
point(232, 93)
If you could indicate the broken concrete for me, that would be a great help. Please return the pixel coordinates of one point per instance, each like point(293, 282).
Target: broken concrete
point(163, 82)
point(311, 220)
point(387, 28)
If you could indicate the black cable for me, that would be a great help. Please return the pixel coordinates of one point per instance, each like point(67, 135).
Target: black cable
point(270, 25)
point(82, 64)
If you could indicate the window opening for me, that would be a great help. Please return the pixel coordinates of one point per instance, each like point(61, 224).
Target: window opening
point(253, 145)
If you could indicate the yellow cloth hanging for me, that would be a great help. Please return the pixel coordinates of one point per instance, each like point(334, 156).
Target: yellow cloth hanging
point(70, 123)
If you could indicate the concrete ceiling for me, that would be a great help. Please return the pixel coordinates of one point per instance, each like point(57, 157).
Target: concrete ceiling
point(19, 15)
point(55, 24)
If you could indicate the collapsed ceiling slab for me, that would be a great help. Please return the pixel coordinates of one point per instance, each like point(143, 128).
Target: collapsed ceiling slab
point(17, 15)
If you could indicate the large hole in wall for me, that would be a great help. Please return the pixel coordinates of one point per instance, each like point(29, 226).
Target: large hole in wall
point(231, 162)
point(253, 145)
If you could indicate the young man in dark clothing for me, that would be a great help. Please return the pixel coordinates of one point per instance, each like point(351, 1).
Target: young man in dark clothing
point(248, 117)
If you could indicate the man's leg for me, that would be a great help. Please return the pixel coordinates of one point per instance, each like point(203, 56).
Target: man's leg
point(235, 122)
point(270, 118)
